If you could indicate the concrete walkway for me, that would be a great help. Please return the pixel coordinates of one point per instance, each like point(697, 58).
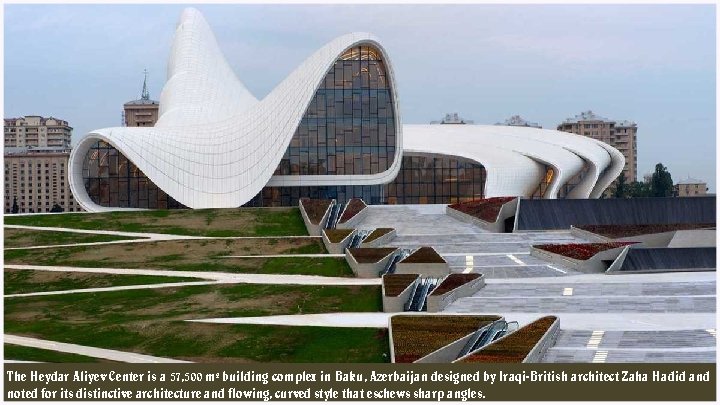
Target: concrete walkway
point(116, 288)
point(211, 275)
point(287, 255)
point(114, 355)
point(617, 321)
point(337, 320)
point(152, 236)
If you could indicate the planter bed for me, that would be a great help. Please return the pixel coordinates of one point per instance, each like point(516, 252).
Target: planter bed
point(580, 251)
point(454, 281)
point(624, 231)
point(395, 284)
point(353, 207)
point(515, 347)
point(370, 255)
point(377, 233)
point(337, 235)
point(315, 209)
point(414, 337)
point(486, 209)
point(425, 254)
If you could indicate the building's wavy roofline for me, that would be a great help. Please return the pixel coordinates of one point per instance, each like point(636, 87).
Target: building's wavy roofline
point(216, 146)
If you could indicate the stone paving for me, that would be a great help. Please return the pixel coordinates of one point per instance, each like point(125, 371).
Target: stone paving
point(588, 305)
point(644, 318)
point(594, 290)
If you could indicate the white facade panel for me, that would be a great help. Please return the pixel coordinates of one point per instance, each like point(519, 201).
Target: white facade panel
point(216, 145)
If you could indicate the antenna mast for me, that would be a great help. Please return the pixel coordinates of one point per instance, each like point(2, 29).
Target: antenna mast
point(145, 94)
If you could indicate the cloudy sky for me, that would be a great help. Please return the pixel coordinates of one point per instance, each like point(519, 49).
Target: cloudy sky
point(652, 64)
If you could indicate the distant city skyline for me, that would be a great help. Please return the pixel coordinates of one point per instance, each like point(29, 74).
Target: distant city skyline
point(650, 64)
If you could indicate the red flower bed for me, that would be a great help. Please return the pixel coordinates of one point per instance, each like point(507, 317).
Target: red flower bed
point(353, 207)
point(581, 251)
point(486, 209)
point(623, 231)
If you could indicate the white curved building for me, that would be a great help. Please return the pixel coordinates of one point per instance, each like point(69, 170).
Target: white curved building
point(331, 129)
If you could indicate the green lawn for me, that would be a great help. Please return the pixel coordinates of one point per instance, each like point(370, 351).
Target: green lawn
point(206, 222)
point(153, 322)
point(194, 255)
point(27, 237)
point(14, 352)
point(27, 281)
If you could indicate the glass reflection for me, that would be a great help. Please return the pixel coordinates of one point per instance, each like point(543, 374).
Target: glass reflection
point(112, 180)
point(349, 123)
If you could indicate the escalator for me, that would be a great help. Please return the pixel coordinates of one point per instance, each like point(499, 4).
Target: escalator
point(418, 299)
point(401, 254)
point(358, 238)
point(487, 335)
point(335, 211)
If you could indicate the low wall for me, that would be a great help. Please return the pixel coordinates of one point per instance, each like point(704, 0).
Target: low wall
point(383, 240)
point(506, 211)
point(446, 354)
point(337, 248)
point(314, 229)
point(397, 304)
point(355, 220)
point(693, 238)
point(587, 235)
point(367, 270)
point(436, 303)
point(547, 341)
point(592, 265)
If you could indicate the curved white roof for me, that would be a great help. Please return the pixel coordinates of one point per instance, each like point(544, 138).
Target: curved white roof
point(215, 145)
point(514, 156)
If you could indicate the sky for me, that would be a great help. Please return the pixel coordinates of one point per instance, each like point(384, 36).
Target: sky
point(651, 64)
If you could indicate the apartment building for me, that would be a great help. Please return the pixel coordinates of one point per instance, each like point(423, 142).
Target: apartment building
point(622, 135)
point(37, 131)
point(37, 180)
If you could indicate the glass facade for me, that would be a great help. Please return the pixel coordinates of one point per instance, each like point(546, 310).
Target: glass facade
point(544, 183)
point(349, 126)
point(111, 180)
point(436, 179)
point(423, 179)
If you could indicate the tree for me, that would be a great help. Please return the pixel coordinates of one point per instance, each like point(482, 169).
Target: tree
point(15, 208)
point(638, 189)
point(621, 187)
point(661, 183)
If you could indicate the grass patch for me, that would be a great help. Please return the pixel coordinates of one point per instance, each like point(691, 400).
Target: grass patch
point(152, 322)
point(27, 281)
point(206, 222)
point(27, 237)
point(194, 255)
point(15, 352)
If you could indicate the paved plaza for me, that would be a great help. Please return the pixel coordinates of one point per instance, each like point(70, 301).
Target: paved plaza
point(631, 318)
